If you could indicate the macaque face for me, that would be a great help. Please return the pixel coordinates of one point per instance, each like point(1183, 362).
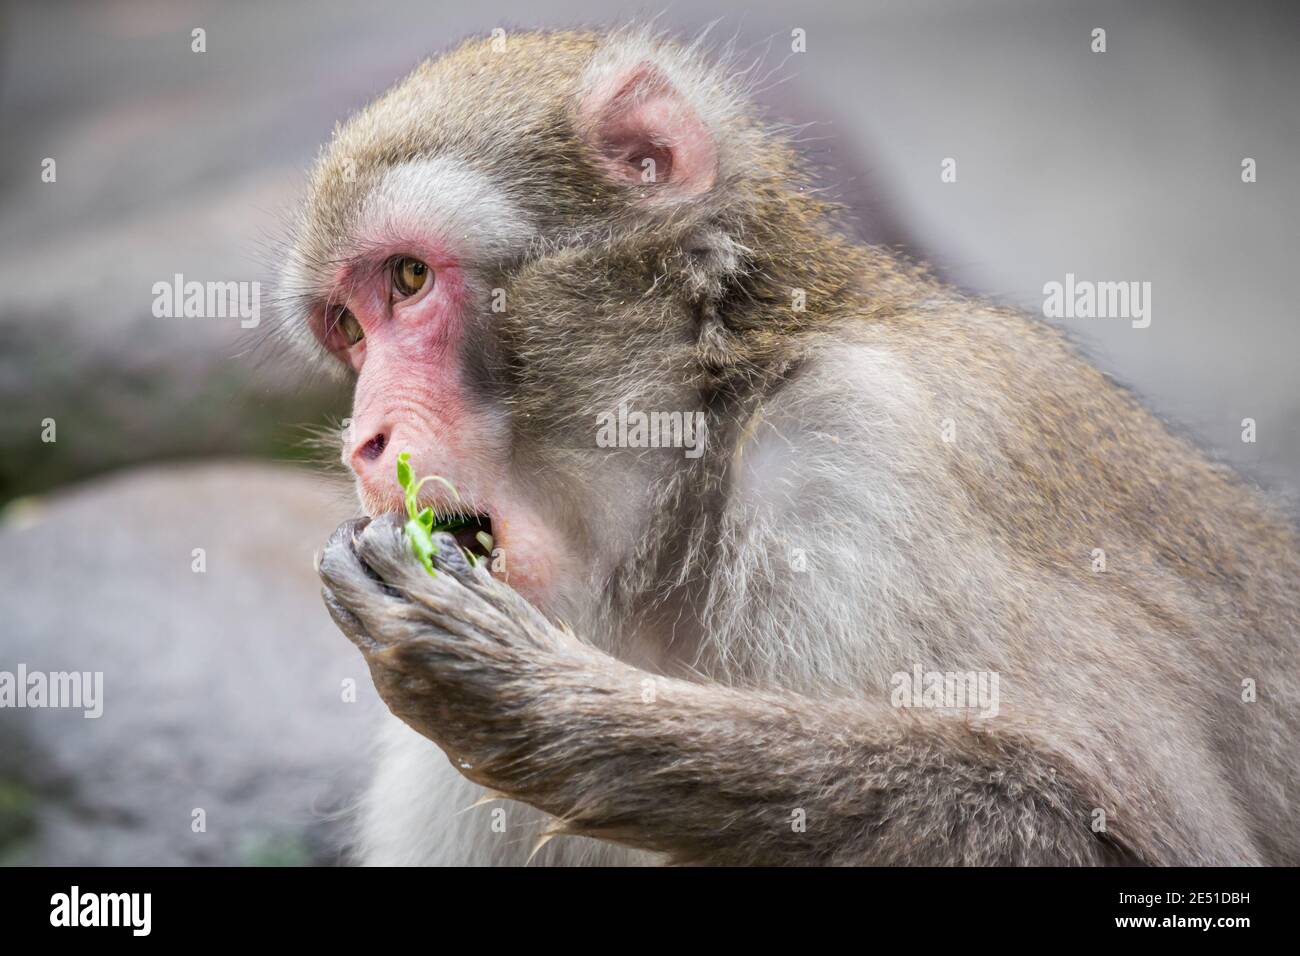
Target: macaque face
point(446, 262)
point(408, 315)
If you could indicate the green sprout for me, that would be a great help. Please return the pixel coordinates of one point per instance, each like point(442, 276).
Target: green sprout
point(421, 525)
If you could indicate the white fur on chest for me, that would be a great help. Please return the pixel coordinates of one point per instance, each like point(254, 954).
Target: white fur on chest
point(421, 812)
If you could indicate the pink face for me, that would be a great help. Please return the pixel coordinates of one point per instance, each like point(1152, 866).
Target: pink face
point(400, 322)
point(400, 326)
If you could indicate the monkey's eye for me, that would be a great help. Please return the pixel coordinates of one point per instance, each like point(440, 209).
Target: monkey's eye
point(349, 327)
point(409, 276)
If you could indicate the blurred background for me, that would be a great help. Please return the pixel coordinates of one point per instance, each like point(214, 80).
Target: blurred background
point(227, 690)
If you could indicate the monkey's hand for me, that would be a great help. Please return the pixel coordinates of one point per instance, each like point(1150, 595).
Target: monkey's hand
point(459, 655)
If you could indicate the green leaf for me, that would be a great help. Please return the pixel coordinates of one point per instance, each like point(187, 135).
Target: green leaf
point(413, 498)
point(422, 545)
point(421, 525)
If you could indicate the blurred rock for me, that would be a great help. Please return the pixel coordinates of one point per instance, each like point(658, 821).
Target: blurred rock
point(223, 690)
point(167, 161)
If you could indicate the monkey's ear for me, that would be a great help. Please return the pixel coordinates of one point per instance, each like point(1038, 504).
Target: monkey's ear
point(647, 133)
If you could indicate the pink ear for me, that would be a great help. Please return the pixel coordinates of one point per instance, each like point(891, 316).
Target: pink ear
point(646, 132)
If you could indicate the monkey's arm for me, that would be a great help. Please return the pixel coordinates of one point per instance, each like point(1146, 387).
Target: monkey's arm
point(700, 772)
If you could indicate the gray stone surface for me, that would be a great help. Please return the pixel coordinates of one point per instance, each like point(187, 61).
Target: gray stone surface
point(223, 690)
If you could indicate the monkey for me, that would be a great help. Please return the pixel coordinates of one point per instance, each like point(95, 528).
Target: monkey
point(630, 654)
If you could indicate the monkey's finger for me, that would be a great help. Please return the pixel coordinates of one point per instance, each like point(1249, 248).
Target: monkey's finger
point(348, 623)
point(337, 547)
point(349, 582)
point(375, 576)
point(349, 529)
point(449, 558)
point(383, 548)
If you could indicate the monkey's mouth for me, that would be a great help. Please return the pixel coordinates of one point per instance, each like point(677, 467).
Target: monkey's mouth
point(472, 532)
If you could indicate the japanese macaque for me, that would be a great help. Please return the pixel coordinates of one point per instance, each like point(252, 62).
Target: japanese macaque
point(766, 647)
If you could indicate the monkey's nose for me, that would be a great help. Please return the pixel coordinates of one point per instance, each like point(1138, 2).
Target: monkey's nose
point(368, 451)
